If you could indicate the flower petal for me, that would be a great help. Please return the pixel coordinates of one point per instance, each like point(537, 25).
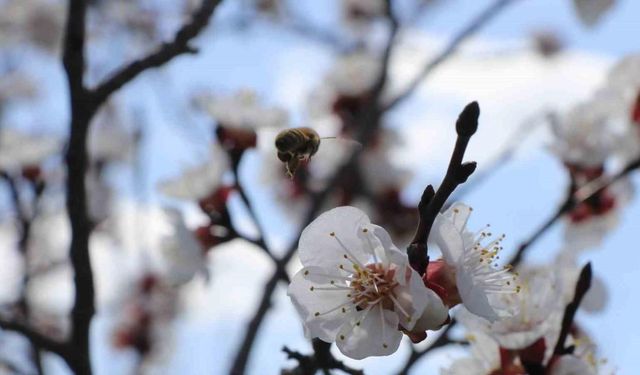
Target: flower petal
point(321, 310)
point(412, 299)
point(448, 238)
point(474, 297)
point(571, 365)
point(434, 315)
point(374, 332)
point(459, 214)
point(332, 239)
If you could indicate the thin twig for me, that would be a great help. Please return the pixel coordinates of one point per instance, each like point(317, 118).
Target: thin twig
point(166, 52)
point(260, 241)
point(482, 19)
point(367, 122)
point(504, 156)
point(457, 173)
point(567, 205)
point(320, 360)
point(582, 286)
point(37, 339)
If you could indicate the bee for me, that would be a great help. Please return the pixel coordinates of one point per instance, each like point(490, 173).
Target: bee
point(296, 144)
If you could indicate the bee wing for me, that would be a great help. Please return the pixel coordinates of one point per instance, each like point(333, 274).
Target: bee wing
point(345, 142)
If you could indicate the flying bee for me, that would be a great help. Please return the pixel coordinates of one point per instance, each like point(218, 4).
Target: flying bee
point(297, 144)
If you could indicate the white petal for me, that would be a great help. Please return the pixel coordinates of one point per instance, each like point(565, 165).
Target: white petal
point(331, 237)
point(401, 262)
point(435, 313)
point(412, 298)
point(459, 214)
point(376, 335)
point(474, 297)
point(571, 365)
point(448, 238)
point(385, 240)
point(320, 310)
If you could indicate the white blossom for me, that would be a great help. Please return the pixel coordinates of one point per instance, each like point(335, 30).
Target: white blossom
point(534, 313)
point(182, 253)
point(356, 287)
point(571, 365)
point(242, 110)
point(354, 74)
point(472, 261)
point(198, 182)
point(583, 136)
point(19, 149)
point(484, 359)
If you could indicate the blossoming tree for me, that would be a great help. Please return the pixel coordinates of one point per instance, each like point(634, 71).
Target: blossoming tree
point(365, 269)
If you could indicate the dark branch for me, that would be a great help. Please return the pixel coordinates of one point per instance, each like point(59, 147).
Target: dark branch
point(568, 204)
point(367, 123)
point(378, 86)
point(582, 286)
point(457, 173)
point(164, 54)
point(482, 19)
point(321, 359)
point(260, 241)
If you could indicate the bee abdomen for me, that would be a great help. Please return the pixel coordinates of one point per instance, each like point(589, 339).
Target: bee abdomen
point(289, 139)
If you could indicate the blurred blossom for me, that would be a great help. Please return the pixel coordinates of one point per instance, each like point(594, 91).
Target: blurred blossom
point(109, 139)
point(198, 182)
point(357, 14)
point(591, 11)
point(547, 43)
point(131, 16)
point(272, 8)
point(353, 74)
point(590, 220)
point(19, 150)
point(100, 194)
point(570, 364)
point(16, 84)
point(36, 21)
point(582, 136)
point(534, 313)
point(484, 359)
point(144, 324)
point(356, 287)
point(568, 272)
point(183, 254)
point(241, 110)
point(469, 273)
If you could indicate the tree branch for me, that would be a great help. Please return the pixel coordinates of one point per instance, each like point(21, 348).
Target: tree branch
point(457, 173)
point(162, 55)
point(482, 19)
point(260, 241)
point(582, 286)
point(366, 124)
point(321, 359)
point(567, 205)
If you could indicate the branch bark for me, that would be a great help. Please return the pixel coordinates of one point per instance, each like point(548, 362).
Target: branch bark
point(37, 339)
point(366, 124)
point(166, 52)
point(567, 205)
point(474, 26)
point(431, 202)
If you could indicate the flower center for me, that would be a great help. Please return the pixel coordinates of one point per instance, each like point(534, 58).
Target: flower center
point(371, 285)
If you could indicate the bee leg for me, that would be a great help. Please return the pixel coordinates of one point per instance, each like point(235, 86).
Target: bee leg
point(292, 166)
